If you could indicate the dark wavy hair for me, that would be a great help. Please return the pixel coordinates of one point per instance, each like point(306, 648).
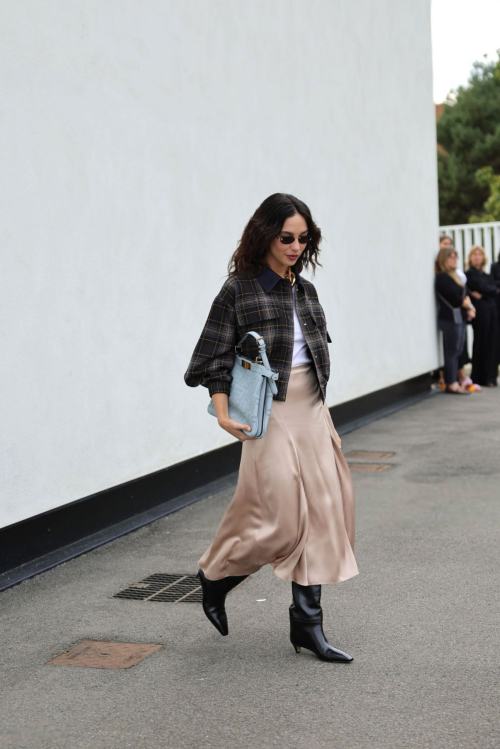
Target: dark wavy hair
point(264, 226)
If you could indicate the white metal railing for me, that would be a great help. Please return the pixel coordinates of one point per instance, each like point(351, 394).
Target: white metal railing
point(464, 236)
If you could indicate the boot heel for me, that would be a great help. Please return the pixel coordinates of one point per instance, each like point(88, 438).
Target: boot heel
point(297, 649)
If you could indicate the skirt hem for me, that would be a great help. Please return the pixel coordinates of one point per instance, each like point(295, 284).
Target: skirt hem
point(328, 582)
point(282, 577)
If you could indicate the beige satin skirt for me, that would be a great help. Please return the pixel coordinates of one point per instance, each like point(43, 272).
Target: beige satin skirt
point(293, 506)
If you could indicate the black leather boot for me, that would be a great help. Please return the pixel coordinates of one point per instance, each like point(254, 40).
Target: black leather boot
point(306, 624)
point(214, 596)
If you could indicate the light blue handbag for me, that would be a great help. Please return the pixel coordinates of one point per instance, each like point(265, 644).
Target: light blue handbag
point(252, 389)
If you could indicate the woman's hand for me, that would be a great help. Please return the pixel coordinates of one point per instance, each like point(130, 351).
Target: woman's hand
point(476, 295)
point(467, 302)
point(233, 427)
point(471, 313)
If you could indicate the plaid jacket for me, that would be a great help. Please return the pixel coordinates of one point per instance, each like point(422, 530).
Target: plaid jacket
point(263, 303)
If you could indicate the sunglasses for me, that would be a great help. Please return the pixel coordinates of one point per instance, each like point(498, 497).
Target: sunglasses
point(290, 240)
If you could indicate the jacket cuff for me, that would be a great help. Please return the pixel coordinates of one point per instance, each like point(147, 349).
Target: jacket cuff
point(219, 386)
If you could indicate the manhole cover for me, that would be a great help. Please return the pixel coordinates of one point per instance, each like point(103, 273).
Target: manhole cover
point(166, 588)
point(369, 467)
point(368, 455)
point(94, 654)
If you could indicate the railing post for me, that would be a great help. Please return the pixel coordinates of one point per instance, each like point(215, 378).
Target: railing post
point(496, 242)
point(487, 243)
point(459, 246)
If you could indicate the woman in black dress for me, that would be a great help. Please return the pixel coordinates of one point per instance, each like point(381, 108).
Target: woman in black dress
point(495, 274)
point(486, 344)
point(454, 309)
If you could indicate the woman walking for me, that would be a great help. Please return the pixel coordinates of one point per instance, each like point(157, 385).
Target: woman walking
point(293, 506)
point(495, 274)
point(454, 309)
point(485, 351)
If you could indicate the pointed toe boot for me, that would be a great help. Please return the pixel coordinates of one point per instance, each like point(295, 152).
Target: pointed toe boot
point(214, 598)
point(306, 625)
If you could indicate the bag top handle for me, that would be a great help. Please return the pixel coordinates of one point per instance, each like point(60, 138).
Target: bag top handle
point(262, 348)
point(258, 338)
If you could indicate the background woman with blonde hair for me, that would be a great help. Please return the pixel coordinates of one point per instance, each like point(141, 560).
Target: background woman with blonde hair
point(486, 348)
point(454, 309)
point(464, 358)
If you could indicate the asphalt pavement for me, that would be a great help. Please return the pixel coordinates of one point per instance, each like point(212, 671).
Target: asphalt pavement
point(421, 620)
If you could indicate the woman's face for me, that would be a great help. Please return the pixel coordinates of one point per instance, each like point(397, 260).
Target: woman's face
point(284, 256)
point(476, 259)
point(445, 242)
point(451, 261)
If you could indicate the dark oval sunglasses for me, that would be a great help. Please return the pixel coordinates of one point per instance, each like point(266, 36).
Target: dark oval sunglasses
point(290, 240)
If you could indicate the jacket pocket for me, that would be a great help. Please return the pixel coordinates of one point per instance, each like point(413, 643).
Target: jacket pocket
point(262, 315)
point(318, 318)
point(263, 320)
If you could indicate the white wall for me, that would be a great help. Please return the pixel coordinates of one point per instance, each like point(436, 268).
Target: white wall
point(138, 137)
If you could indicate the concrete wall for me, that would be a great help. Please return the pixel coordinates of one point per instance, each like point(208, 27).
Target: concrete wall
point(138, 137)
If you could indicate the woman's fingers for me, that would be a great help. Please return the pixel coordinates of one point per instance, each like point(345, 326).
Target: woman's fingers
point(242, 436)
point(236, 425)
point(241, 429)
point(238, 430)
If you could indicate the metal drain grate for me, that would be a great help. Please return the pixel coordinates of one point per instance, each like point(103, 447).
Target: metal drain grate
point(166, 588)
point(187, 588)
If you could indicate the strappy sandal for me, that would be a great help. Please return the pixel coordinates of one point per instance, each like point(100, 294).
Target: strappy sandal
point(472, 387)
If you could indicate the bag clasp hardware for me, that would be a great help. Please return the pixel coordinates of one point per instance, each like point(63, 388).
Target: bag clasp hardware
point(246, 364)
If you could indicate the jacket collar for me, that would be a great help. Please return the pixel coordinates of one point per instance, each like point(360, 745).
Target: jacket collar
point(268, 279)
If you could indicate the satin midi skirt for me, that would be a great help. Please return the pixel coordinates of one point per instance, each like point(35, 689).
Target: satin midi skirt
point(293, 506)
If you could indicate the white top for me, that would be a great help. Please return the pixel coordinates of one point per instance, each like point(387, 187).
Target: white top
point(461, 275)
point(301, 353)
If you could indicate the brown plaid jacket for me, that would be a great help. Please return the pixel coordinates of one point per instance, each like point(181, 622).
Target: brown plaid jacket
point(263, 303)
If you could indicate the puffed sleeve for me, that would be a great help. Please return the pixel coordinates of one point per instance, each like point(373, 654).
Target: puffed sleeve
point(214, 355)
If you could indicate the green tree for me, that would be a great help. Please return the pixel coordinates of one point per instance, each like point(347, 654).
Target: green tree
point(469, 133)
point(491, 209)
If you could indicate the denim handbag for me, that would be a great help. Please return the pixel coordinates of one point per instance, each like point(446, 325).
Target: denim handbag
point(252, 389)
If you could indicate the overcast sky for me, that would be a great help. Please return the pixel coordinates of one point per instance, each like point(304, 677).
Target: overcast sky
point(462, 32)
